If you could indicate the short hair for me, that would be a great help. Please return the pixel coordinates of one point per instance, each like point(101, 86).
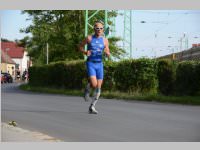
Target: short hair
point(98, 21)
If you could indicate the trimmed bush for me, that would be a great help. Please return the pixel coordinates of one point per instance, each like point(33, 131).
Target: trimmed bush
point(166, 76)
point(136, 75)
point(75, 75)
point(69, 75)
point(38, 75)
point(187, 78)
point(109, 69)
point(197, 74)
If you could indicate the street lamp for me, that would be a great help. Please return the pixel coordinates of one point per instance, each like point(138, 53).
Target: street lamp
point(7, 49)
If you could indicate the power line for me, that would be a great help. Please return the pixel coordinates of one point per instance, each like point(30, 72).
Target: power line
point(167, 12)
point(161, 27)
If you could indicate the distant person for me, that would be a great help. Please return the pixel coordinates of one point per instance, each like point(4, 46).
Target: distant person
point(18, 74)
point(24, 75)
point(97, 44)
point(27, 76)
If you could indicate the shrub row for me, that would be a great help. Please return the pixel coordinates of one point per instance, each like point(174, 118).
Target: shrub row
point(141, 75)
point(181, 78)
point(71, 75)
point(136, 75)
point(188, 78)
point(166, 74)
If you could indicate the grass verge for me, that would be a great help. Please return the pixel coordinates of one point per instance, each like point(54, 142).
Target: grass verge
point(188, 100)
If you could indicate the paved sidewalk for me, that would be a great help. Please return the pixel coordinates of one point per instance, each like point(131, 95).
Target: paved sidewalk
point(15, 134)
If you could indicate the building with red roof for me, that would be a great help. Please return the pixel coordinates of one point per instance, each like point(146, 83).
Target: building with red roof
point(17, 54)
point(12, 49)
point(7, 64)
point(6, 58)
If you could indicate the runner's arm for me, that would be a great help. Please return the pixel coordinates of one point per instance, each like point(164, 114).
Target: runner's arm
point(82, 44)
point(107, 50)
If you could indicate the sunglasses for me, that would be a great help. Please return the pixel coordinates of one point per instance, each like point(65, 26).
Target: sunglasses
point(98, 28)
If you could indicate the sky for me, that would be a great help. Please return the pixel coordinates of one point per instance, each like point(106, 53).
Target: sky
point(159, 35)
point(11, 22)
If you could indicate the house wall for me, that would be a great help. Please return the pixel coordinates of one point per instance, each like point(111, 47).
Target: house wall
point(10, 69)
point(3, 67)
point(18, 61)
point(25, 61)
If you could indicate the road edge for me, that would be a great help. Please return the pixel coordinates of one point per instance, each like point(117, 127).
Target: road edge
point(10, 133)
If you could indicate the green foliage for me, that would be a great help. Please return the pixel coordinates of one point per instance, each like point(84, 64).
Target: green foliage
point(128, 75)
point(38, 76)
point(166, 76)
point(60, 29)
point(63, 30)
point(187, 78)
point(197, 76)
point(75, 75)
point(69, 75)
point(116, 52)
point(5, 40)
point(132, 76)
point(109, 69)
point(136, 75)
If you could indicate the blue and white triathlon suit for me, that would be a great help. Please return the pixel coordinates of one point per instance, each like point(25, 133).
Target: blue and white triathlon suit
point(94, 61)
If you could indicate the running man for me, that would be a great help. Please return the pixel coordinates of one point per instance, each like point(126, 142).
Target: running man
point(97, 44)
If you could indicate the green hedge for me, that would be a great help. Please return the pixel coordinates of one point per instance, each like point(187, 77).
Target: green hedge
point(75, 75)
point(141, 75)
point(166, 76)
point(38, 76)
point(188, 78)
point(136, 75)
point(197, 74)
point(109, 69)
point(71, 75)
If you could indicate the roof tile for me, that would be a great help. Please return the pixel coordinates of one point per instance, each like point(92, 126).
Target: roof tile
point(13, 50)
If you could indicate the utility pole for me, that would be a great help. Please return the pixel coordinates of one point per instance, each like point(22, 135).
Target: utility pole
point(47, 53)
point(181, 44)
point(7, 49)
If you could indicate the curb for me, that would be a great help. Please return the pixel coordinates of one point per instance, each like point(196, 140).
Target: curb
point(10, 133)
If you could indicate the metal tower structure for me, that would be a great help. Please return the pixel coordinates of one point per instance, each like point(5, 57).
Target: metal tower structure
point(183, 42)
point(88, 24)
point(88, 18)
point(113, 26)
point(127, 37)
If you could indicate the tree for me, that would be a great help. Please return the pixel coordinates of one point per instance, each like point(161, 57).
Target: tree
point(5, 40)
point(25, 42)
point(63, 30)
point(116, 51)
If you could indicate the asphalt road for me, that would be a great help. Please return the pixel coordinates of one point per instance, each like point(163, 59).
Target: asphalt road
point(67, 118)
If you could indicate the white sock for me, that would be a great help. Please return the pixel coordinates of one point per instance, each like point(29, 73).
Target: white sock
point(96, 97)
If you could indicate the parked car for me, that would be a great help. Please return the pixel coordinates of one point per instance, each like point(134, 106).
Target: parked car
point(3, 78)
point(8, 77)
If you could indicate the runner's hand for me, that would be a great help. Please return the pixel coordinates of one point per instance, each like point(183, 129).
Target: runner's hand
point(88, 53)
point(107, 54)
